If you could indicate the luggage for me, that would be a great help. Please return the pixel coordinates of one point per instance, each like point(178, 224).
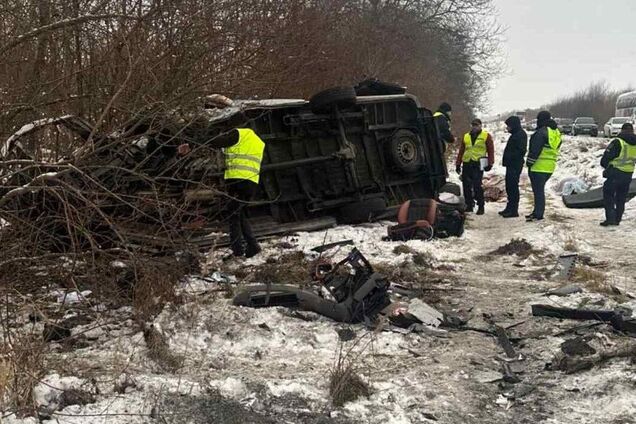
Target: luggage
point(420, 230)
point(427, 218)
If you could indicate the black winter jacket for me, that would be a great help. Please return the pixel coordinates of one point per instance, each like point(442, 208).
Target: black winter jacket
point(613, 151)
point(516, 146)
point(443, 126)
point(538, 140)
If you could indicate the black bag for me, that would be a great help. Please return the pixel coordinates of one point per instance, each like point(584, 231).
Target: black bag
point(420, 230)
point(450, 220)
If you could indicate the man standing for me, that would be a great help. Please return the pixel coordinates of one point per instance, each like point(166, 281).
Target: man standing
point(513, 156)
point(618, 162)
point(442, 119)
point(243, 156)
point(545, 144)
point(476, 149)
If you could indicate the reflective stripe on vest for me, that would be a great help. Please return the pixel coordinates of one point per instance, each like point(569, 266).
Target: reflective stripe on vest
point(243, 160)
point(472, 152)
point(546, 162)
point(438, 113)
point(626, 159)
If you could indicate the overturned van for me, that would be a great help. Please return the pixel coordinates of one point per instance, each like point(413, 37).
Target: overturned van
point(342, 154)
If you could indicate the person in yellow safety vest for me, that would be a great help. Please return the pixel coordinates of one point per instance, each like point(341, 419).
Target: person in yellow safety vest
point(476, 148)
point(618, 161)
point(243, 152)
point(543, 153)
point(442, 119)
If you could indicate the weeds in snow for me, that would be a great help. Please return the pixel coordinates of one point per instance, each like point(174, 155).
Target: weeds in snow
point(345, 381)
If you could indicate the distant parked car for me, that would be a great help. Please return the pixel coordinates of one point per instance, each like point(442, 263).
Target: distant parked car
point(531, 125)
point(613, 126)
point(565, 125)
point(585, 125)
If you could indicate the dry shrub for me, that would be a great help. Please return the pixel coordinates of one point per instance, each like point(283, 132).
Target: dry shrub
point(159, 350)
point(21, 368)
point(403, 249)
point(424, 259)
point(592, 279)
point(345, 383)
point(519, 247)
point(291, 268)
point(154, 286)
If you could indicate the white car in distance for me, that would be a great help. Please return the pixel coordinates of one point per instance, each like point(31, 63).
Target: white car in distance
point(613, 126)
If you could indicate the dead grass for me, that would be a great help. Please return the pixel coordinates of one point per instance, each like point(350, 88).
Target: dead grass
point(594, 280)
point(403, 249)
point(557, 217)
point(345, 383)
point(21, 368)
point(291, 268)
point(155, 286)
point(159, 350)
point(519, 247)
point(571, 245)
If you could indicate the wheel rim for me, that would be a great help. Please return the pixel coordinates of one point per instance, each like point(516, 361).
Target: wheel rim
point(407, 151)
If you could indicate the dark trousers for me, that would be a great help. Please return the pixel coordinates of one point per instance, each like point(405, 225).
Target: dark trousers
point(615, 190)
point(471, 184)
point(538, 180)
point(512, 187)
point(241, 192)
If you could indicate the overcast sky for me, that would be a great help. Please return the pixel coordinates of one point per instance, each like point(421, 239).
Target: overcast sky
point(556, 47)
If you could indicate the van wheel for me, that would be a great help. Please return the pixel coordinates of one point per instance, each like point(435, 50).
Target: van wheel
point(358, 212)
point(326, 100)
point(405, 151)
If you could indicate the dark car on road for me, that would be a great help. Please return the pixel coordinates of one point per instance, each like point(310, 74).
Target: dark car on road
point(565, 125)
point(585, 125)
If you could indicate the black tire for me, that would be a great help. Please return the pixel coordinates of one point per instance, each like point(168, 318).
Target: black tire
point(326, 100)
point(405, 151)
point(374, 87)
point(358, 212)
point(451, 188)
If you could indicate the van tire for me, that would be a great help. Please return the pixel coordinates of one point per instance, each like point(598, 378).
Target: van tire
point(326, 100)
point(405, 151)
point(374, 87)
point(358, 212)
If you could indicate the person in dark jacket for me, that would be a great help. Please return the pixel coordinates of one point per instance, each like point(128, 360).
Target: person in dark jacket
point(618, 162)
point(513, 157)
point(477, 145)
point(442, 119)
point(543, 153)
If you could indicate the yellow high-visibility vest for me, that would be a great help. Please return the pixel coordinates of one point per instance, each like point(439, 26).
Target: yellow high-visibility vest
point(473, 152)
point(243, 160)
point(546, 162)
point(626, 159)
point(438, 113)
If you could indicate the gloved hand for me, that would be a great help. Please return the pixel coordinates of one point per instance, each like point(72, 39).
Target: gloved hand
point(458, 169)
point(488, 168)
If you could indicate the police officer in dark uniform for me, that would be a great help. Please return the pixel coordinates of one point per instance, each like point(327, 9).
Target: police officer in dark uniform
point(618, 162)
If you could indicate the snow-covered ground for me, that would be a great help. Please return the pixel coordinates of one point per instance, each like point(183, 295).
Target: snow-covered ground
point(265, 365)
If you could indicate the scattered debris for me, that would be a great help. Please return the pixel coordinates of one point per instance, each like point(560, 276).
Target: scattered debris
point(616, 318)
point(358, 293)
point(565, 265)
point(494, 188)
point(325, 247)
point(425, 313)
point(565, 290)
point(581, 355)
point(577, 347)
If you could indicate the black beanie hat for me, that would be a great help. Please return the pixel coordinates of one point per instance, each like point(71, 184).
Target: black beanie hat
point(627, 128)
point(542, 118)
point(444, 107)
